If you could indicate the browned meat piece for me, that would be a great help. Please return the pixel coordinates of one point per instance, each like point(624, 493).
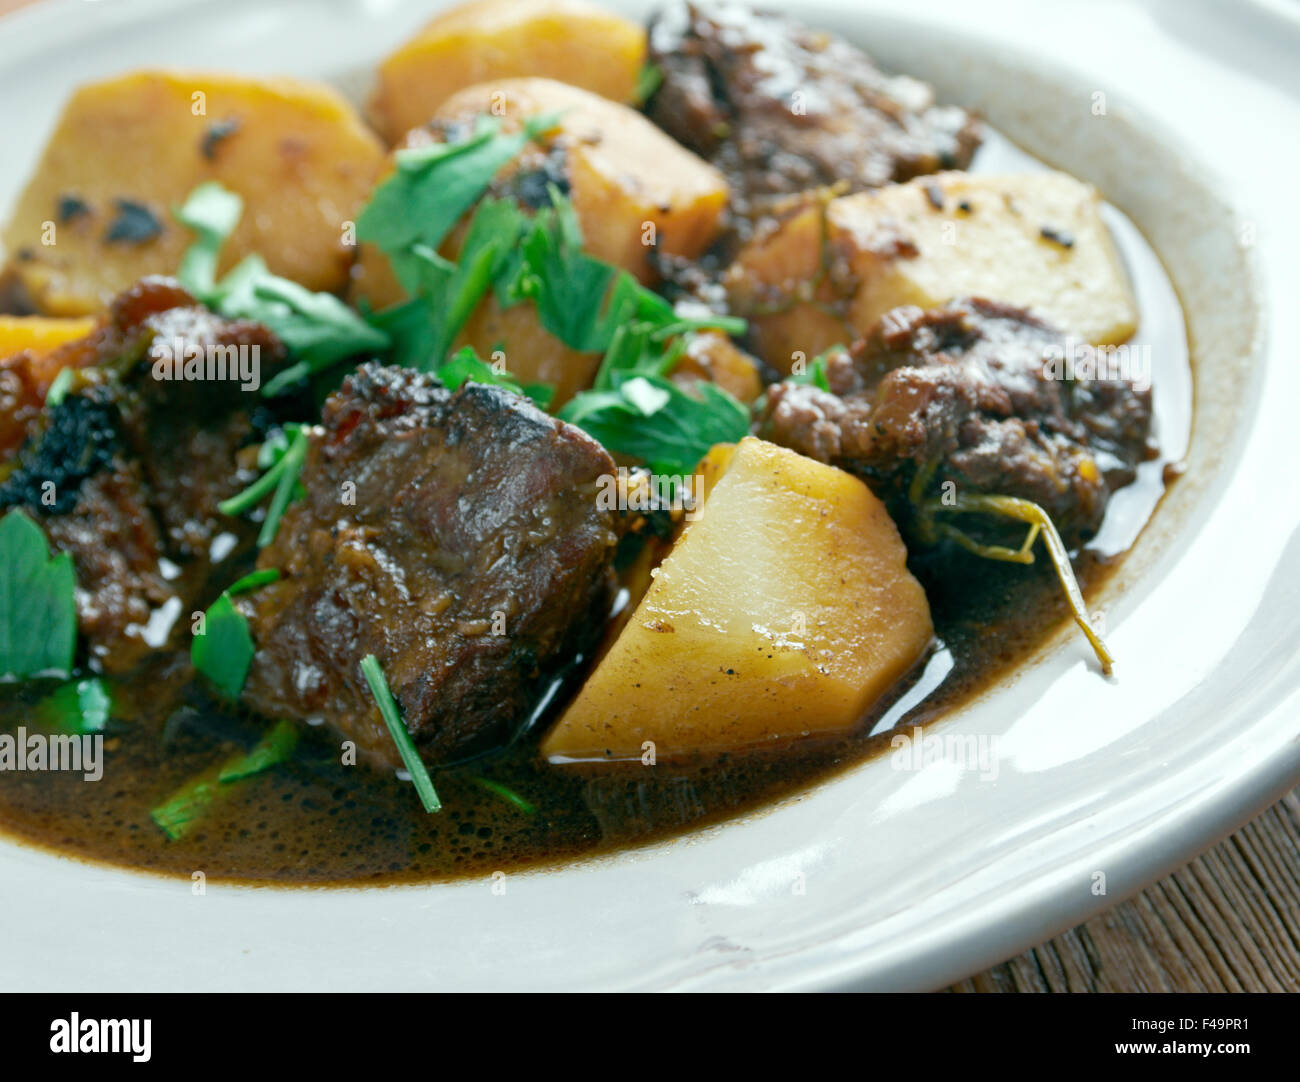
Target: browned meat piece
point(964, 390)
point(125, 474)
point(780, 108)
point(455, 536)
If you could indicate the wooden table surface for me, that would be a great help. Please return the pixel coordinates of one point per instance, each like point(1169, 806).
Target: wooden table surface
point(1229, 921)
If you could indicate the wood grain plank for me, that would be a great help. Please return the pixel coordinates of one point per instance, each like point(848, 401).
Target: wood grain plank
point(1227, 922)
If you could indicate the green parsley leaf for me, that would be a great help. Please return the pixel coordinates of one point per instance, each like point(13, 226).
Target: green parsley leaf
point(651, 419)
point(579, 299)
point(176, 815)
point(447, 293)
point(212, 212)
point(388, 710)
point(80, 707)
point(59, 387)
point(275, 747)
point(38, 610)
point(465, 366)
point(507, 794)
point(649, 80)
point(224, 652)
point(814, 374)
point(432, 187)
point(282, 458)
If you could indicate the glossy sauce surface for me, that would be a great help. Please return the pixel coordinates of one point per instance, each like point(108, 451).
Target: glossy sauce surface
point(313, 820)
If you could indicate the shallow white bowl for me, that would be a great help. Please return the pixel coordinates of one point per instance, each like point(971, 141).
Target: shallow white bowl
point(879, 878)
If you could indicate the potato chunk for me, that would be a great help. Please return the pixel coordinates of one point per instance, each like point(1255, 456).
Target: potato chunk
point(786, 610)
point(96, 215)
point(1035, 240)
point(505, 39)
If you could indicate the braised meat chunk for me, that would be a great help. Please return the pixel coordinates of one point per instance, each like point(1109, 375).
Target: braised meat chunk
point(454, 535)
point(967, 394)
point(126, 472)
point(781, 108)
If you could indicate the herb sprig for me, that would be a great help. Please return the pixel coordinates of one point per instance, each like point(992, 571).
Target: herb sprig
point(224, 652)
point(282, 459)
point(180, 811)
point(392, 716)
point(38, 609)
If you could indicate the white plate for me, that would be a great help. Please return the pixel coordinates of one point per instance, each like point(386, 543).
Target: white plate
point(879, 878)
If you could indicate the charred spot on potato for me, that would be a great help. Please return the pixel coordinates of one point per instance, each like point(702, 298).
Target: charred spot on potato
point(532, 187)
point(133, 223)
point(1057, 236)
point(217, 132)
point(72, 206)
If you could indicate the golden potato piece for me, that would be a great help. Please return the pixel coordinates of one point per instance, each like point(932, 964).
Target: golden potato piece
point(785, 610)
point(484, 40)
point(39, 333)
point(1035, 240)
point(96, 215)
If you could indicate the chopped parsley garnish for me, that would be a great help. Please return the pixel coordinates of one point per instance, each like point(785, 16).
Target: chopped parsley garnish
point(388, 710)
point(59, 387)
point(507, 794)
point(517, 256)
point(225, 650)
point(648, 80)
point(191, 802)
point(80, 707)
point(316, 328)
point(38, 610)
point(465, 365)
point(654, 420)
point(281, 458)
point(413, 210)
point(587, 304)
point(814, 374)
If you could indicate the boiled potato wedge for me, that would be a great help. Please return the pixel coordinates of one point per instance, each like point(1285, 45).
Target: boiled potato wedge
point(486, 40)
point(785, 610)
point(1035, 240)
point(96, 215)
point(628, 182)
